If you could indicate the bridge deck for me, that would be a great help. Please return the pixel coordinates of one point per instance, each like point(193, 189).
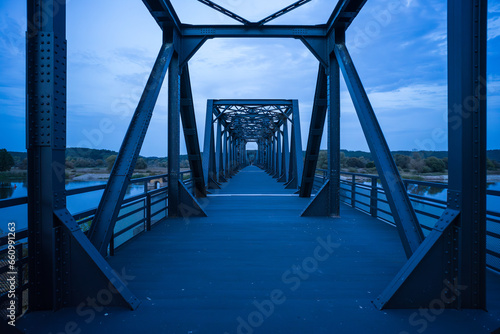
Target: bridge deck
point(218, 274)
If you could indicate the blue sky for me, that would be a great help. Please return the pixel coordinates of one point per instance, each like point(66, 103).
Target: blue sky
point(400, 55)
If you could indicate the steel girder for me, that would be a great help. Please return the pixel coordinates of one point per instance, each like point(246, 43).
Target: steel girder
point(105, 217)
point(344, 13)
point(164, 13)
point(173, 138)
point(64, 267)
point(450, 265)
point(226, 12)
point(191, 134)
point(402, 210)
point(318, 117)
point(327, 200)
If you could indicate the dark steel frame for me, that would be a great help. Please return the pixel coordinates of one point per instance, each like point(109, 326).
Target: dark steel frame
point(56, 242)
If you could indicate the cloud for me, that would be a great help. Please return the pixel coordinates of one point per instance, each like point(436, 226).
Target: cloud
point(493, 27)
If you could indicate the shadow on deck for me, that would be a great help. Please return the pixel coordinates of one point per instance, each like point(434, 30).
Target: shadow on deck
point(255, 266)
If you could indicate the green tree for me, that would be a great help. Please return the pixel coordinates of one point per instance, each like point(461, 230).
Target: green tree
point(402, 161)
point(435, 164)
point(355, 162)
point(141, 164)
point(370, 164)
point(110, 161)
point(322, 160)
point(6, 160)
point(490, 165)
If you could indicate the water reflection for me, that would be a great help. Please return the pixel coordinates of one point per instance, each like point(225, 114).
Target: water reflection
point(420, 190)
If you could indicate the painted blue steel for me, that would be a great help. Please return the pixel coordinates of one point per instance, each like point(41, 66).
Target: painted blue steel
point(318, 117)
point(173, 138)
point(226, 12)
point(467, 39)
point(344, 13)
point(109, 206)
point(191, 133)
point(163, 12)
point(239, 31)
point(406, 220)
point(282, 12)
point(46, 142)
point(334, 137)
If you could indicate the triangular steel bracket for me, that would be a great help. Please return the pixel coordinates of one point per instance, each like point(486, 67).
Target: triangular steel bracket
point(413, 286)
point(318, 206)
point(189, 205)
point(318, 47)
point(190, 45)
point(87, 272)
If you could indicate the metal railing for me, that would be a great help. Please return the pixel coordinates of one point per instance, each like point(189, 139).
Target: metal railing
point(138, 213)
point(363, 192)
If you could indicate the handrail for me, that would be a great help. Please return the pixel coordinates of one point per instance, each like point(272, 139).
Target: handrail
point(351, 195)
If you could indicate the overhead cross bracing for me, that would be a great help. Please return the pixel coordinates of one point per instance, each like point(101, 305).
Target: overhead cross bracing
point(254, 121)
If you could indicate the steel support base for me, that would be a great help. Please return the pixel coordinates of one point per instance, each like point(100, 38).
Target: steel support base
point(85, 273)
point(319, 205)
point(189, 205)
point(422, 282)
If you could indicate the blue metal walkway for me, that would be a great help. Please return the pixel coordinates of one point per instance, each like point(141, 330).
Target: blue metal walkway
point(254, 266)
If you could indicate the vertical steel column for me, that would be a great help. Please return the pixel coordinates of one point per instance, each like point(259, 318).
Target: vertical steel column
point(297, 141)
point(218, 159)
point(207, 144)
point(173, 136)
point(46, 143)
point(65, 269)
point(467, 142)
point(231, 154)
point(334, 137)
point(286, 150)
point(273, 155)
point(278, 153)
point(450, 264)
point(226, 154)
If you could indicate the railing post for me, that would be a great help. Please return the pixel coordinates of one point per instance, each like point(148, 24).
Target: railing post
point(148, 212)
point(353, 191)
point(374, 198)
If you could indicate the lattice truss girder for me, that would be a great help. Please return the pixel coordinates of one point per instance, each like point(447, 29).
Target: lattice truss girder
point(252, 123)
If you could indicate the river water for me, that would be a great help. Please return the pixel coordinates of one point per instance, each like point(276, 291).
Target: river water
point(87, 201)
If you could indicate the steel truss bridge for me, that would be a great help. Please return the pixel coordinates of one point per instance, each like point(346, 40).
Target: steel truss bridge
point(232, 212)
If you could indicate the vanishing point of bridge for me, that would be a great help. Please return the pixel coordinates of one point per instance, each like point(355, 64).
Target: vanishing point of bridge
point(264, 248)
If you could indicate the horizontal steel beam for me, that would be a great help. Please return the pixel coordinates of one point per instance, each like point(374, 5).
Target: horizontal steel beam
point(240, 31)
point(254, 102)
